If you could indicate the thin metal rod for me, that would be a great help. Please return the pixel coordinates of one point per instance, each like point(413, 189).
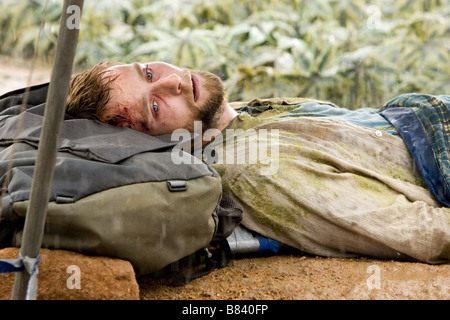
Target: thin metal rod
point(46, 156)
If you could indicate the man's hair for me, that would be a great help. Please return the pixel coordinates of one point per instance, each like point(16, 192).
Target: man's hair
point(89, 92)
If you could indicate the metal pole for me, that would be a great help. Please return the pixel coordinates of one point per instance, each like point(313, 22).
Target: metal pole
point(46, 156)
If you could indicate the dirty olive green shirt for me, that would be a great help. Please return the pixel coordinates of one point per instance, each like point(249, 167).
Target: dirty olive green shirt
point(330, 187)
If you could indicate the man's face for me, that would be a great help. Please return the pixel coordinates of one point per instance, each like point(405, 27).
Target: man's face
point(156, 98)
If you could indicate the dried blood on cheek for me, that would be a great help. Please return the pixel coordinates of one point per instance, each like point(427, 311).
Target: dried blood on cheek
point(122, 119)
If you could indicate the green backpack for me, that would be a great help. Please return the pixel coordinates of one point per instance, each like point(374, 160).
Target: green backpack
point(116, 192)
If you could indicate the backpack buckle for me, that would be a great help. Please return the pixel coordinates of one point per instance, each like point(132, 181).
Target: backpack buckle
point(177, 185)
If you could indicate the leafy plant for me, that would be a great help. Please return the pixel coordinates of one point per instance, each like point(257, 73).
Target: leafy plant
point(354, 53)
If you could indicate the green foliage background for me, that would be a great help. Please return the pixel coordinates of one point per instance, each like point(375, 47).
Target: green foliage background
point(354, 53)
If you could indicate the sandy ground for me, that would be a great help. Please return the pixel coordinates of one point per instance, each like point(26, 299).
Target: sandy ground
point(297, 277)
point(286, 276)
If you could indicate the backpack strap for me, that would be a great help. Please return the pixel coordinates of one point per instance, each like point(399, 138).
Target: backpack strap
point(229, 214)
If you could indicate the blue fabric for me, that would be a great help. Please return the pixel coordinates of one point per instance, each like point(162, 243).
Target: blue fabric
point(415, 139)
point(268, 245)
point(365, 117)
point(20, 264)
point(423, 121)
point(11, 265)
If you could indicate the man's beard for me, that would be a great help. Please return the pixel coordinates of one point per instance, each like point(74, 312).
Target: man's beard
point(209, 113)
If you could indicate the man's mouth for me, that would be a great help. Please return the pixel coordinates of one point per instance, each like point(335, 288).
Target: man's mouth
point(195, 87)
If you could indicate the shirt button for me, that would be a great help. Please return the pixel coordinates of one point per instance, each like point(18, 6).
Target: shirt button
point(378, 133)
point(242, 115)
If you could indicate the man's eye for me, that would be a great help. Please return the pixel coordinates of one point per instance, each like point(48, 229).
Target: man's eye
point(155, 107)
point(148, 74)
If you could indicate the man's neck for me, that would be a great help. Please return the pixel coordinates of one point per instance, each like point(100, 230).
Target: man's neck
point(226, 116)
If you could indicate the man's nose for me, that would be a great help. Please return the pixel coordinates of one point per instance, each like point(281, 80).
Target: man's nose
point(171, 84)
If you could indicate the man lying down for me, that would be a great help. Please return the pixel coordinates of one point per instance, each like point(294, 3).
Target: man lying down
point(334, 182)
point(313, 176)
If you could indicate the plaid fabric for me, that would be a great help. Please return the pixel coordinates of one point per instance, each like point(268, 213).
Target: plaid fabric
point(433, 112)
